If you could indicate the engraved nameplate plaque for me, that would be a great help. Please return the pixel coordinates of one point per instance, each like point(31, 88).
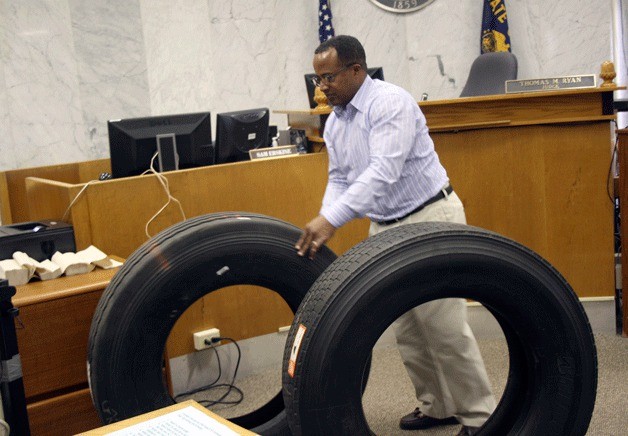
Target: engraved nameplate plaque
point(551, 83)
point(281, 151)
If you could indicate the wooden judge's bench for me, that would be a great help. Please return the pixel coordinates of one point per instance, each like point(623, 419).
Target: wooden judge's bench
point(532, 167)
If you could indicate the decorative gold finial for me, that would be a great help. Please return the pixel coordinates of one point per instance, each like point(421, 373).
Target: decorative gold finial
point(321, 100)
point(607, 74)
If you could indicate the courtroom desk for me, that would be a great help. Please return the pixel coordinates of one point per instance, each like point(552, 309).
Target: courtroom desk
point(532, 167)
point(52, 333)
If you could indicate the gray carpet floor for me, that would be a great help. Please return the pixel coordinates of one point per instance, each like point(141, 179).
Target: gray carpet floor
point(389, 394)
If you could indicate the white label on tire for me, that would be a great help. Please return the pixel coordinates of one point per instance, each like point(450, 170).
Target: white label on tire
point(292, 363)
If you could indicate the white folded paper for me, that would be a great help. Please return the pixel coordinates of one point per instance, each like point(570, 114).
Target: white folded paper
point(15, 273)
point(45, 270)
point(98, 258)
point(22, 267)
point(72, 264)
point(26, 261)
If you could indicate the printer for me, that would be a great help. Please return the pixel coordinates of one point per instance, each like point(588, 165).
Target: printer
point(39, 239)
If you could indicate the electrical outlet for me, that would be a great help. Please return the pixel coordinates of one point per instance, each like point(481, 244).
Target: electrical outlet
point(200, 337)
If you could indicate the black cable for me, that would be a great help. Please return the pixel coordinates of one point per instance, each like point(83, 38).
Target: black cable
point(609, 177)
point(320, 148)
point(231, 386)
point(615, 200)
point(208, 386)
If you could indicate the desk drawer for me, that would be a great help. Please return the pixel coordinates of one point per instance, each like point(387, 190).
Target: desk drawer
point(64, 415)
point(53, 343)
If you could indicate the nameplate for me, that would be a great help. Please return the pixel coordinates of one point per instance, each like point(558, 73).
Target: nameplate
point(550, 84)
point(268, 152)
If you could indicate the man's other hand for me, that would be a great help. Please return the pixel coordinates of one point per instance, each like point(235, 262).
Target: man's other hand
point(315, 234)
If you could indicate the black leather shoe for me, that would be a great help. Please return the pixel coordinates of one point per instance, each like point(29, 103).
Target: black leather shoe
point(468, 431)
point(418, 421)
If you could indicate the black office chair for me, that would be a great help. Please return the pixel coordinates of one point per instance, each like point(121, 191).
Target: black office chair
point(488, 73)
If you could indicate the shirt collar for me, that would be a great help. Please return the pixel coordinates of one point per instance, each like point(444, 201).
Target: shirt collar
point(359, 99)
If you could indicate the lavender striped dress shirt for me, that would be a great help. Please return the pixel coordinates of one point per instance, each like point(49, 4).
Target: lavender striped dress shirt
point(382, 162)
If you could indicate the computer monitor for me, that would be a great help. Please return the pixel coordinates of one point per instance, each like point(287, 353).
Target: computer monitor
point(240, 131)
point(134, 141)
point(375, 73)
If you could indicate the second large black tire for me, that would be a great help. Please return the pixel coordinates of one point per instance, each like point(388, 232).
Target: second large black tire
point(552, 380)
point(167, 275)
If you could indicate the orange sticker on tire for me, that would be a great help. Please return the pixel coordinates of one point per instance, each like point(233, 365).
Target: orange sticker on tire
point(294, 352)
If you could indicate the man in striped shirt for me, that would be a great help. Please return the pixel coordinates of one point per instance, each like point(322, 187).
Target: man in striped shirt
point(382, 165)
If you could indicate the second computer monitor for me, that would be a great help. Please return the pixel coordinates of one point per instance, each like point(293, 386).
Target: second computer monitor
point(375, 73)
point(240, 131)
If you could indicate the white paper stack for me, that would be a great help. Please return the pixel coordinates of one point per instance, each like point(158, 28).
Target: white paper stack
point(95, 256)
point(25, 262)
point(72, 264)
point(48, 270)
point(45, 270)
point(22, 267)
point(15, 273)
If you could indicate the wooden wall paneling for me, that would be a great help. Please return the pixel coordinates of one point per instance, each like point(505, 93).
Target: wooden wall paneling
point(50, 199)
point(240, 312)
point(6, 215)
point(494, 176)
point(543, 186)
point(580, 212)
point(47, 198)
point(13, 196)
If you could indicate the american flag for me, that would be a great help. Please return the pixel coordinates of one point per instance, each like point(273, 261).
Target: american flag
point(325, 28)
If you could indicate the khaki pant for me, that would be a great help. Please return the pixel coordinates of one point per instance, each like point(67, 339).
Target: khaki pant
point(437, 345)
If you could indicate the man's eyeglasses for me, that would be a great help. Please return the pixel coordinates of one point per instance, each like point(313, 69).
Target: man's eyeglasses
point(330, 77)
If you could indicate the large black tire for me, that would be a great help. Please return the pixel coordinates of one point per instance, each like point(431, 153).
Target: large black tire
point(162, 279)
point(552, 380)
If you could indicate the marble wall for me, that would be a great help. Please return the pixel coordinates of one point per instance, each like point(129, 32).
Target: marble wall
point(67, 66)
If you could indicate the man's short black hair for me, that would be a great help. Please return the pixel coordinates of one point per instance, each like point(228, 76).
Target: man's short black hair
point(349, 50)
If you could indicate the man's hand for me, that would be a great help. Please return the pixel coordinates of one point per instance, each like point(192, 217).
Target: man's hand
point(315, 234)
